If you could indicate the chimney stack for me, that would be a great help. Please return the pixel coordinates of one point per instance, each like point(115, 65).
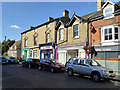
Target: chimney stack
point(100, 3)
point(50, 18)
point(65, 13)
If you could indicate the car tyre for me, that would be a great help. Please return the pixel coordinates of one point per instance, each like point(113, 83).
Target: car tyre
point(52, 70)
point(40, 68)
point(23, 65)
point(96, 77)
point(70, 72)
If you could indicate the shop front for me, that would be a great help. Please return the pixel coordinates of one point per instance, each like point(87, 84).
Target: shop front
point(47, 51)
point(64, 53)
point(25, 53)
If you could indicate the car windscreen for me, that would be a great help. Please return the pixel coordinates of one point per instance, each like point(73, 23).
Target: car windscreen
point(12, 58)
point(93, 63)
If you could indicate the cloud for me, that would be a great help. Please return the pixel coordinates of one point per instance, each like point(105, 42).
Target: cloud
point(15, 26)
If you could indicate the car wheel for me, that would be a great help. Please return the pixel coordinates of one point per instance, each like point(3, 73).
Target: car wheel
point(70, 72)
point(96, 77)
point(29, 66)
point(52, 70)
point(23, 65)
point(40, 68)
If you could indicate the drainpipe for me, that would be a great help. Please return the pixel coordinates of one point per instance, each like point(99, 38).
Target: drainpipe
point(39, 53)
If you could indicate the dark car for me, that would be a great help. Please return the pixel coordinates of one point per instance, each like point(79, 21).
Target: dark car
point(3, 60)
point(12, 60)
point(29, 62)
point(51, 65)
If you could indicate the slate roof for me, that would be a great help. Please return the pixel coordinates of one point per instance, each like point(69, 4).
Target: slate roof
point(64, 19)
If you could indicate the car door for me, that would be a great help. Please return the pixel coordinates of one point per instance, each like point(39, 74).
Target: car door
point(84, 67)
point(76, 66)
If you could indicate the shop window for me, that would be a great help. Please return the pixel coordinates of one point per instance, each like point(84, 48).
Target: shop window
point(30, 53)
point(61, 35)
point(35, 40)
point(25, 43)
point(108, 12)
point(75, 31)
point(47, 38)
point(35, 54)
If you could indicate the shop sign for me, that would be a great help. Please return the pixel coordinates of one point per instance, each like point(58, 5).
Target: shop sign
point(46, 47)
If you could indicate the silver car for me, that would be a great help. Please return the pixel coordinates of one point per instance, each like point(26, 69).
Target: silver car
point(88, 67)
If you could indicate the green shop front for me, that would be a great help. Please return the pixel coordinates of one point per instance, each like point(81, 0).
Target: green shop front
point(25, 53)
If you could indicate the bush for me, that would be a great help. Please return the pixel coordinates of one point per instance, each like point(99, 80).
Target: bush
point(5, 54)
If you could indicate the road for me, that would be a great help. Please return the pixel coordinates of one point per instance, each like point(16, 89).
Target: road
point(16, 76)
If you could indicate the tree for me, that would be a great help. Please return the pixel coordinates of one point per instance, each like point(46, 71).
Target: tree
point(6, 45)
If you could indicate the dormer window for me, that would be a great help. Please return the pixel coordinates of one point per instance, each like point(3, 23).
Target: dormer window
point(108, 12)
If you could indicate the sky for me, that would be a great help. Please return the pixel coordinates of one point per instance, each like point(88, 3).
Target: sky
point(19, 16)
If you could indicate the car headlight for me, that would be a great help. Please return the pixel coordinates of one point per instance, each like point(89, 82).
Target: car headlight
point(57, 66)
point(105, 72)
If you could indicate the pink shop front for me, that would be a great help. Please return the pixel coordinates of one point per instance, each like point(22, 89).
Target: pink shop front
point(63, 53)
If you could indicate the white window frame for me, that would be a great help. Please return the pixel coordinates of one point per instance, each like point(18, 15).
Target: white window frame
point(25, 43)
point(112, 6)
point(77, 30)
point(47, 39)
point(113, 33)
point(61, 34)
point(35, 38)
point(35, 50)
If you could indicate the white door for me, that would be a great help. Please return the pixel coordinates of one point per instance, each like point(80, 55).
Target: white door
point(62, 57)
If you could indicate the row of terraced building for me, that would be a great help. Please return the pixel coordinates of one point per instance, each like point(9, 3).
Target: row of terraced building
point(64, 37)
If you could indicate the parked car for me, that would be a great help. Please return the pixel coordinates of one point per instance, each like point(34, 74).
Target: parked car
point(29, 62)
point(88, 67)
point(51, 65)
point(12, 60)
point(3, 60)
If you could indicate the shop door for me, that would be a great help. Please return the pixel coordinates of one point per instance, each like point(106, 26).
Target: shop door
point(25, 55)
point(62, 57)
point(72, 54)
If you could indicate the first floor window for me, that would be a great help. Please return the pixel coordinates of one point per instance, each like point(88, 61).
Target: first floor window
point(47, 38)
point(35, 53)
point(108, 33)
point(35, 40)
point(61, 35)
point(116, 32)
point(25, 43)
point(75, 31)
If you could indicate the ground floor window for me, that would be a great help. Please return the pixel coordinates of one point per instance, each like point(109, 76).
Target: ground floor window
point(30, 53)
point(47, 54)
point(35, 53)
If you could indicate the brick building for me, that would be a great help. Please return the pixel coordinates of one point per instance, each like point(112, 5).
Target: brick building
point(104, 34)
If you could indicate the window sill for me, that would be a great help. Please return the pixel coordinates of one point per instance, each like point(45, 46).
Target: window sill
point(76, 37)
point(108, 18)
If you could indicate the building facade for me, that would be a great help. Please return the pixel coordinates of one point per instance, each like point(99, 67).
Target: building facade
point(15, 50)
point(39, 42)
point(104, 34)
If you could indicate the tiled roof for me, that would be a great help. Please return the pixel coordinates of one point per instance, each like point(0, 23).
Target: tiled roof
point(17, 44)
